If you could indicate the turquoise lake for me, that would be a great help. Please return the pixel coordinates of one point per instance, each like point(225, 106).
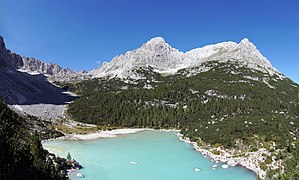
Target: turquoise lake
point(146, 155)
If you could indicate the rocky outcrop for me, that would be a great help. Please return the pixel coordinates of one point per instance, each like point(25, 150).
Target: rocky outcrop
point(53, 71)
point(34, 65)
point(8, 59)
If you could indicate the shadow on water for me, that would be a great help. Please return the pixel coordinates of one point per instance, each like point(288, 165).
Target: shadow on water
point(25, 89)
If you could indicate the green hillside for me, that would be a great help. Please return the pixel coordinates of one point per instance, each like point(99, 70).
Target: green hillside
point(21, 153)
point(221, 106)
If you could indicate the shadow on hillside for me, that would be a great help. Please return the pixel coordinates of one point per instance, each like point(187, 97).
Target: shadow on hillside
point(20, 88)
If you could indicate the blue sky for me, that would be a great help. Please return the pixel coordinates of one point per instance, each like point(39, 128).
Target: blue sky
point(78, 33)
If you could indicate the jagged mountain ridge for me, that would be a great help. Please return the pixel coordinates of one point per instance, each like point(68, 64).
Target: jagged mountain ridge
point(162, 58)
point(20, 88)
point(36, 66)
point(12, 61)
point(53, 71)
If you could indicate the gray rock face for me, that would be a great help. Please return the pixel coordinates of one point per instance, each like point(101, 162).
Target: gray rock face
point(32, 65)
point(8, 59)
point(53, 71)
point(24, 88)
point(20, 88)
point(162, 58)
point(156, 53)
point(13, 61)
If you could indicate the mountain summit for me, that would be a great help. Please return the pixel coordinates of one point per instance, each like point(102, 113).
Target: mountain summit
point(162, 58)
point(155, 53)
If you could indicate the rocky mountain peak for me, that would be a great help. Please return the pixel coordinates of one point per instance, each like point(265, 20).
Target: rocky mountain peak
point(163, 58)
point(155, 53)
point(158, 45)
point(245, 44)
point(246, 41)
point(247, 51)
point(2, 44)
point(8, 59)
point(156, 40)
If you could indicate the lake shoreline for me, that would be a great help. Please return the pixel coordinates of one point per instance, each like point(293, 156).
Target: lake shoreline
point(230, 161)
point(105, 134)
point(215, 158)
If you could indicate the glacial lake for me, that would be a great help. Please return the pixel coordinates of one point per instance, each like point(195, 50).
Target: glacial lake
point(146, 155)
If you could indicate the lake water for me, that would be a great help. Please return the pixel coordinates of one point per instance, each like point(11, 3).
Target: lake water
point(146, 155)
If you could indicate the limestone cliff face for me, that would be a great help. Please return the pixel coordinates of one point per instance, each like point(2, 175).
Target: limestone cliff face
point(53, 71)
point(13, 61)
point(23, 88)
point(8, 59)
point(37, 66)
point(163, 58)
